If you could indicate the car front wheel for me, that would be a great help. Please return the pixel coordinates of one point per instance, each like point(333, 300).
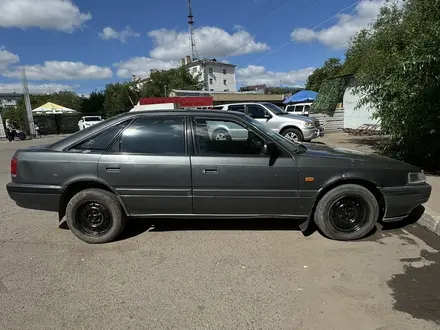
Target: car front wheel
point(293, 134)
point(221, 135)
point(95, 216)
point(347, 212)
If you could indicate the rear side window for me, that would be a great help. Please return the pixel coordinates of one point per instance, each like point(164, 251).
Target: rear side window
point(101, 141)
point(299, 108)
point(155, 135)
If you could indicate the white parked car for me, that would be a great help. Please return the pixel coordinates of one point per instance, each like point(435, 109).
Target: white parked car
point(301, 109)
point(87, 121)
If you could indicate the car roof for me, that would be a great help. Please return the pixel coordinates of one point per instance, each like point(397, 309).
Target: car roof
point(240, 103)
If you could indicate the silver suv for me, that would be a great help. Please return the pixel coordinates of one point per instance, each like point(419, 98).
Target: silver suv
point(293, 127)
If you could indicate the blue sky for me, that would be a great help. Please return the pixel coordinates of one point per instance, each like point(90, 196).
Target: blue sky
point(82, 45)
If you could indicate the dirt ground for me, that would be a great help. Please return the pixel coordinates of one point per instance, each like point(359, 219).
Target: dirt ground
point(248, 274)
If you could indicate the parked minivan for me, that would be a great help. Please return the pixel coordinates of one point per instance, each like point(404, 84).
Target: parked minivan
point(301, 109)
point(293, 127)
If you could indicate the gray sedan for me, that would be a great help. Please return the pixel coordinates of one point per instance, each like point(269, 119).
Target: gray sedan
point(167, 164)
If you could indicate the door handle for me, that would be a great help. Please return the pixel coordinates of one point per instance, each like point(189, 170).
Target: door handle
point(112, 168)
point(209, 170)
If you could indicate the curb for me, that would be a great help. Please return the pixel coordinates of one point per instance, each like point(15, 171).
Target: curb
point(430, 220)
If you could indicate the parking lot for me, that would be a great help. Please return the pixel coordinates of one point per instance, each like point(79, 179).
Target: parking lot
point(234, 274)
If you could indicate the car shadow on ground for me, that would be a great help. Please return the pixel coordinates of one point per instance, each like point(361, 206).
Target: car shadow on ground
point(137, 227)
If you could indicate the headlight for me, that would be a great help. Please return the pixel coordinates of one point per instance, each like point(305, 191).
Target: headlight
point(309, 124)
point(415, 178)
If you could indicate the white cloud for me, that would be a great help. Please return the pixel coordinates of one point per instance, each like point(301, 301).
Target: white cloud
point(36, 89)
point(109, 33)
point(7, 58)
point(60, 15)
point(210, 42)
point(61, 70)
point(256, 75)
point(141, 66)
point(338, 35)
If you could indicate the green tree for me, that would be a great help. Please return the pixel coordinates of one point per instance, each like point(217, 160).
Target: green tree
point(398, 69)
point(119, 98)
point(331, 68)
point(165, 80)
point(94, 104)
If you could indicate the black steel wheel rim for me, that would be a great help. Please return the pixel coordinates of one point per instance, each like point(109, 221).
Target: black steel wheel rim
point(93, 218)
point(348, 214)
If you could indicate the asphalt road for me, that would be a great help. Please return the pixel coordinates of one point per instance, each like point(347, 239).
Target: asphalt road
point(211, 275)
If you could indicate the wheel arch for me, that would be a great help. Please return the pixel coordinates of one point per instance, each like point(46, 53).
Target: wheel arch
point(74, 187)
point(368, 184)
point(284, 128)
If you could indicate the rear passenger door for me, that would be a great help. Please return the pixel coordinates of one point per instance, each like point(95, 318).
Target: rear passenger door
point(149, 167)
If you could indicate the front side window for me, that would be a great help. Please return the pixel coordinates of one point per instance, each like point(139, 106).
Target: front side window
point(155, 135)
point(255, 111)
point(101, 141)
point(225, 137)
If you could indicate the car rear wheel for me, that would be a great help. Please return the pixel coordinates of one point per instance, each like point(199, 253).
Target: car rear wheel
point(293, 134)
point(347, 212)
point(221, 135)
point(95, 216)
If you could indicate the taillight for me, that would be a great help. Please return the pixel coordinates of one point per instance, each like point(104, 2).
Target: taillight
point(14, 166)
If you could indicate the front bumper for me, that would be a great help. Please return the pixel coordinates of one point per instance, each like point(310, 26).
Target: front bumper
point(310, 134)
point(36, 197)
point(401, 201)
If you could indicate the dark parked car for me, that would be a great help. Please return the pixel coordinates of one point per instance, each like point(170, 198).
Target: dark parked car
point(167, 164)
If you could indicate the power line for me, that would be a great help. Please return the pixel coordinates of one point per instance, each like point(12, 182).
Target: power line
point(258, 19)
point(317, 26)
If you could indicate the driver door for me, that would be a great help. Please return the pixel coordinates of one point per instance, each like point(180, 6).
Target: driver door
point(234, 176)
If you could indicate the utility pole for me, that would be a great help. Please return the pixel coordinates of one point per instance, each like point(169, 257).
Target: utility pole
point(27, 101)
point(165, 87)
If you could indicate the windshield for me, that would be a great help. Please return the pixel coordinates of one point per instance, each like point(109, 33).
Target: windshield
point(275, 109)
point(92, 118)
point(288, 144)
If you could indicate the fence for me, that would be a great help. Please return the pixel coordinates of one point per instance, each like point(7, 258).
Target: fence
point(57, 124)
point(332, 123)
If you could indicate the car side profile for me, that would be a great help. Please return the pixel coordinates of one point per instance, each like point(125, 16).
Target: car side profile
point(293, 127)
point(167, 164)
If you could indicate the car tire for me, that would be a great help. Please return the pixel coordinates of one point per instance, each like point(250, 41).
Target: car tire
point(291, 132)
point(95, 216)
point(347, 212)
point(221, 135)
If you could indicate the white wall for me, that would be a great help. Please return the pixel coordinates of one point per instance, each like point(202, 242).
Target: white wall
point(353, 118)
point(215, 80)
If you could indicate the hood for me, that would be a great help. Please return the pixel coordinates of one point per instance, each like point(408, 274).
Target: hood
point(324, 151)
point(297, 117)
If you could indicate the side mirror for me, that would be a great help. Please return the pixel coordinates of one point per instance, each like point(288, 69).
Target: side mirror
point(270, 148)
point(267, 116)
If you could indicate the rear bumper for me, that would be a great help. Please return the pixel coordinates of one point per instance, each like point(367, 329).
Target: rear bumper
point(36, 197)
point(401, 201)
